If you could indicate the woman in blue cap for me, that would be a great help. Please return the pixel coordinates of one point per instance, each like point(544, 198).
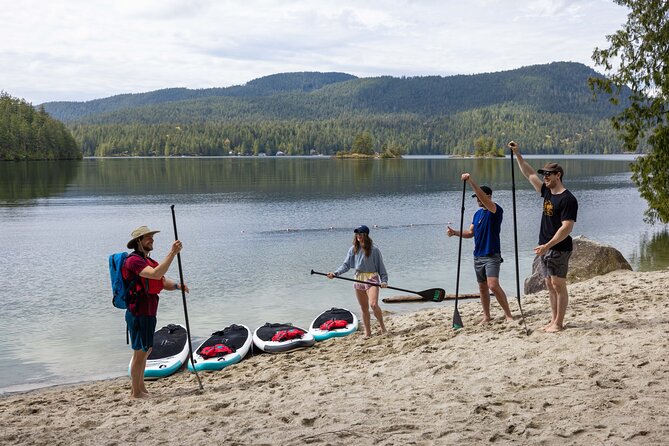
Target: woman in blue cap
point(367, 261)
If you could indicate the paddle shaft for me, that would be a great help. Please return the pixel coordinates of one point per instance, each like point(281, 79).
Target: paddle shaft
point(183, 298)
point(515, 240)
point(462, 223)
point(368, 283)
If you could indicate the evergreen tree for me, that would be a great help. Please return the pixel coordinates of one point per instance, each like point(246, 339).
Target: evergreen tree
point(29, 134)
point(641, 52)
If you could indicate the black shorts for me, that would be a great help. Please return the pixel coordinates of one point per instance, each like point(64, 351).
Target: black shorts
point(555, 263)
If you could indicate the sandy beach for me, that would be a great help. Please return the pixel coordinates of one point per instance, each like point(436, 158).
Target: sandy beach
point(602, 381)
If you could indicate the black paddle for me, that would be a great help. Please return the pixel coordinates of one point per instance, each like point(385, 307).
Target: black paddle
point(183, 297)
point(433, 294)
point(457, 320)
point(515, 240)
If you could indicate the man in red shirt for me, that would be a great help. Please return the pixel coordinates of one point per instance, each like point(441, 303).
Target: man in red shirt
point(149, 278)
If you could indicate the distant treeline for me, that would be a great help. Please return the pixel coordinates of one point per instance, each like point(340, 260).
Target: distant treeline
point(538, 132)
point(29, 134)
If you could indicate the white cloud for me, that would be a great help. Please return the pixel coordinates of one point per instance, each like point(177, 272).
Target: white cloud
point(78, 50)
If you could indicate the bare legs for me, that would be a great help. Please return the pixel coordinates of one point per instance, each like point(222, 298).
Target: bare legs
point(367, 299)
point(559, 298)
point(485, 288)
point(137, 366)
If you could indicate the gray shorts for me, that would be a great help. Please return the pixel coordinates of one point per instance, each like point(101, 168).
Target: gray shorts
point(555, 263)
point(487, 267)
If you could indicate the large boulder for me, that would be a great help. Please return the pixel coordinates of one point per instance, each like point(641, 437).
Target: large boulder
point(589, 259)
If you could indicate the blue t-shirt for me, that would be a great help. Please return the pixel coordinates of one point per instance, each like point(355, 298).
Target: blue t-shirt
point(487, 227)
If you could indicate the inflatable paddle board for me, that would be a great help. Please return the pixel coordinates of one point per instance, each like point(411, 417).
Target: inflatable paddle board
point(169, 352)
point(276, 338)
point(223, 348)
point(334, 322)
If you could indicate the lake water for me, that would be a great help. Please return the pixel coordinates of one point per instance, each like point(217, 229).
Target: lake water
point(252, 229)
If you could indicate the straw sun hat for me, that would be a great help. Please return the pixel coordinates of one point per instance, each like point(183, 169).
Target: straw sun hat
point(139, 232)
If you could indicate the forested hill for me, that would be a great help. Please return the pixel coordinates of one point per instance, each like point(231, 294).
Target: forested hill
point(549, 107)
point(265, 86)
point(30, 134)
point(553, 88)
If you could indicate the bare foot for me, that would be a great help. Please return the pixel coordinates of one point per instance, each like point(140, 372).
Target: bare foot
point(484, 321)
point(140, 395)
point(553, 328)
point(509, 318)
point(550, 324)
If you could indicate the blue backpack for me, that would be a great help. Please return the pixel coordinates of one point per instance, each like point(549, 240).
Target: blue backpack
point(120, 288)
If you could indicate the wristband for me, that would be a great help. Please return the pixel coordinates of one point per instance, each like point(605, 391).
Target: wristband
point(176, 286)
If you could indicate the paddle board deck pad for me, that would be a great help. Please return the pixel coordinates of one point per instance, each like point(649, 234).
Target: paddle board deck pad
point(222, 348)
point(277, 338)
point(169, 352)
point(335, 322)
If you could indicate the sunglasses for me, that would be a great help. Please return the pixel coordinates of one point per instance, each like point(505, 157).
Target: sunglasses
point(547, 174)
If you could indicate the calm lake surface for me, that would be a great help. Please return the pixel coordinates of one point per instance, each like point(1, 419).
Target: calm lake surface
point(252, 230)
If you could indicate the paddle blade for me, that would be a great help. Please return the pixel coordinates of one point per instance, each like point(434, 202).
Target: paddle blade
point(457, 320)
point(433, 294)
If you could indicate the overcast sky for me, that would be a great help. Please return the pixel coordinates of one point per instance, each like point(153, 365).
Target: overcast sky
point(85, 49)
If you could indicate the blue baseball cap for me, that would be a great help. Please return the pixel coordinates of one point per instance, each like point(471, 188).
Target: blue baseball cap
point(362, 229)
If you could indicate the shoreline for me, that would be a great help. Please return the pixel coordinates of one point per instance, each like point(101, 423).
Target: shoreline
point(604, 380)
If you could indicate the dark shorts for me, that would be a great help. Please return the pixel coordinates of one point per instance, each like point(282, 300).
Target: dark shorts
point(141, 329)
point(487, 266)
point(555, 263)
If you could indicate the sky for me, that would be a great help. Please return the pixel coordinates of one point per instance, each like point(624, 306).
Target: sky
point(78, 50)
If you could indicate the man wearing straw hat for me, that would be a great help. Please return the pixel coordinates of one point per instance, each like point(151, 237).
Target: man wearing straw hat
point(149, 278)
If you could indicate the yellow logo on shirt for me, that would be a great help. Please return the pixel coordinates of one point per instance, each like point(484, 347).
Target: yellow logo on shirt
point(548, 208)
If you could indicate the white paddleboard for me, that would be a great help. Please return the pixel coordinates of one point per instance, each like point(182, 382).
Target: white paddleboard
point(262, 338)
point(237, 338)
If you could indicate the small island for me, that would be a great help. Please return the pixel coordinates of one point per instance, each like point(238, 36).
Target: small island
point(363, 148)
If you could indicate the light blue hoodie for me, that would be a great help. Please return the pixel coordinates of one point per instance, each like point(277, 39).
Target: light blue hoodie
point(363, 264)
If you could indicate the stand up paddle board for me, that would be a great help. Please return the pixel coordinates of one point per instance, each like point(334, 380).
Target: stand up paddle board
point(332, 323)
point(169, 352)
point(223, 348)
point(276, 338)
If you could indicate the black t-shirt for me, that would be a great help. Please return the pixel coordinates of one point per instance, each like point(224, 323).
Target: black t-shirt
point(557, 208)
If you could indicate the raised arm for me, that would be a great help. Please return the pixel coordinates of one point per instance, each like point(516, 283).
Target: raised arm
point(525, 168)
point(486, 201)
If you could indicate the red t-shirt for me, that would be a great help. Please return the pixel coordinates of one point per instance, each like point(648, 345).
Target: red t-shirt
point(146, 304)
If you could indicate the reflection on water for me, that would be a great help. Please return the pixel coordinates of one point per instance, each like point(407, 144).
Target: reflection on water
point(268, 178)
point(21, 181)
point(653, 252)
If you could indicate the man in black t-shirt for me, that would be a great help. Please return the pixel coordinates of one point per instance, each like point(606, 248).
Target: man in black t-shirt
point(555, 244)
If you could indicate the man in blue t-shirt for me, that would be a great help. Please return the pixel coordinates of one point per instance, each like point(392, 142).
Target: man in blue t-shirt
point(485, 229)
point(555, 246)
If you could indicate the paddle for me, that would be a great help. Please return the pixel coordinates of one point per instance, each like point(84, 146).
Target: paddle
point(515, 239)
point(183, 298)
point(457, 320)
point(432, 295)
